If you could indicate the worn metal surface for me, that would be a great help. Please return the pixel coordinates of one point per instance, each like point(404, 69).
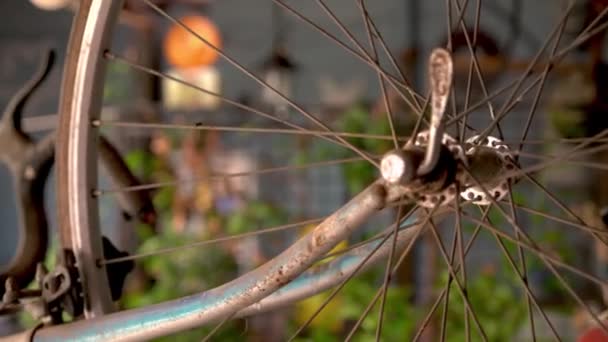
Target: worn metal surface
point(29, 163)
point(245, 291)
point(173, 316)
point(76, 149)
point(319, 279)
point(440, 76)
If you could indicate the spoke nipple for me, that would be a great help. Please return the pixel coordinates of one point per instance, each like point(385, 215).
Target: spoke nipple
point(396, 167)
point(29, 173)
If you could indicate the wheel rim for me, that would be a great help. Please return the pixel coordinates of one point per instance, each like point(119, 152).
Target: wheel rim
point(76, 150)
point(480, 222)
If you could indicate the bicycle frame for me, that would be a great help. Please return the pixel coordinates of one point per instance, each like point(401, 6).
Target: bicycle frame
point(278, 282)
point(257, 291)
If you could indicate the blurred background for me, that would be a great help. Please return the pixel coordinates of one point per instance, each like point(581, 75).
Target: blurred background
point(328, 81)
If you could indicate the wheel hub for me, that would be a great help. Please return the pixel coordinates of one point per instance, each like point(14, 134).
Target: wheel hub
point(487, 159)
point(447, 194)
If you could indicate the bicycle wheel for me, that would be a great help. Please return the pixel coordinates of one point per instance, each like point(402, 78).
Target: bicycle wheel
point(500, 146)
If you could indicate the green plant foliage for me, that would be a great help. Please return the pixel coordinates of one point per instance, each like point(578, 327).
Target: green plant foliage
point(118, 87)
point(332, 323)
point(499, 304)
point(499, 307)
point(399, 320)
point(189, 270)
point(569, 123)
point(359, 120)
point(146, 166)
point(354, 120)
point(186, 272)
point(541, 279)
point(255, 215)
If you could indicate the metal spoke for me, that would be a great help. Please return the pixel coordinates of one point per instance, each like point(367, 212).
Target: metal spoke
point(223, 176)
point(428, 317)
point(517, 172)
point(480, 77)
point(362, 56)
point(391, 57)
point(532, 248)
point(520, 172)
point(551, 141)
point(539, 92)
point(211, 241)
point(461, 255)
point(579, 40)
point(368, 241)
point(418, 124)
point(201, 127)
point(446, 301)
point(524, 281)
point(522, 259)
point(548, 261)
point(380, 291)
point(387, 274)
point(257, 79)
point(581, 226)
point(454, 258)
point(467, 97)
point(416, 106)
point(392, 81)
point(372, 43)
point(480, 104)
point(455, 280)
point(218, 327)
point(450, 49)
point(457, 268)
point(110, 56)
point(556, 31)
point(567, 210)
point(587, 164)
point(337, 289)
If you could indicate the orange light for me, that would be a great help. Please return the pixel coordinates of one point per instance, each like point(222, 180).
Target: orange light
point(185, 50)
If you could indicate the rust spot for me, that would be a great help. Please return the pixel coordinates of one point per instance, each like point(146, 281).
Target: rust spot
point(379, 194)
point(319, 239)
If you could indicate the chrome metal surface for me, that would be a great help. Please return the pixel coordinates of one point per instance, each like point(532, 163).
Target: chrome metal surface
point(177, 315)
point(440, 76)
point(446, 195)
point(76, 148)
point(490, 158)
point(326, 276)
point(398, 167)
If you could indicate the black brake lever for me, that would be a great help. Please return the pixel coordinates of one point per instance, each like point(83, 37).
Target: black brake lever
point(29, 164)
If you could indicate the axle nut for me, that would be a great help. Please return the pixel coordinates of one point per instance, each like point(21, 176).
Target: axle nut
point(396, 167)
